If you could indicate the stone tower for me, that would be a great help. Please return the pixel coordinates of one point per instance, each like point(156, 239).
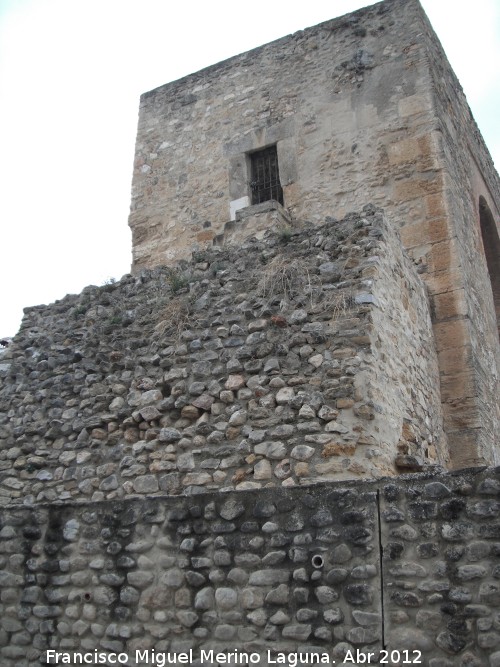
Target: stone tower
point(204, 463)
point(361, 109)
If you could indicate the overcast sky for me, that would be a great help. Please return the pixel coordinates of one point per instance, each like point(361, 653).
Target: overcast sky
point(71, 73)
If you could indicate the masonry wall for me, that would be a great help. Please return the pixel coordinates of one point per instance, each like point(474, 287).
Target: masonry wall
point(451, 254)
point(293, 359)
point(348, 104)
point(408, 564)
point(361, 108)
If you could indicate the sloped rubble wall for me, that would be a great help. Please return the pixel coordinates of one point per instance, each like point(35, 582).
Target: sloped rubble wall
point(301, 357)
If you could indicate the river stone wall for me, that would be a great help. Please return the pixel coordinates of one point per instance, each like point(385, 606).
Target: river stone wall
point(408, 563)
point(441, 567)
point(305, 356)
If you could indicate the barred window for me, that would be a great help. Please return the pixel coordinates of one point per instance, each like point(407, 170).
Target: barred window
point(265, 179)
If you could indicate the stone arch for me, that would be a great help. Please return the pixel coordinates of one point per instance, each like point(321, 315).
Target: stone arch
point(491, 246)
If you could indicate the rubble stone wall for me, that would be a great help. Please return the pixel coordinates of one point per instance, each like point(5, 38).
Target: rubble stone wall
point(296, 358)
point(407, 565)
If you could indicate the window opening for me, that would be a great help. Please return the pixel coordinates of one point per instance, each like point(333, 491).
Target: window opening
point(265, 183)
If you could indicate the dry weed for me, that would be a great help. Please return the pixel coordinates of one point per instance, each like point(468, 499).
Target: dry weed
point(175, 318)
point(286, 278)
point(338, 303)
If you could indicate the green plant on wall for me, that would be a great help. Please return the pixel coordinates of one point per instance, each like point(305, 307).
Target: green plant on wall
point(79, 310)
point(177, 281)
point(285, 234)
point(115, 320)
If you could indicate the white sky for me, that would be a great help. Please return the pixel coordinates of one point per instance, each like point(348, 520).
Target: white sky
point(71, 73)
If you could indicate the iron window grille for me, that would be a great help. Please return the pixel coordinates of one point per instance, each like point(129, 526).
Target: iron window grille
point(265, 184)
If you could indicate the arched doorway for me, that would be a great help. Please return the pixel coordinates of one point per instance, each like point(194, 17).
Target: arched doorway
point(491, 245)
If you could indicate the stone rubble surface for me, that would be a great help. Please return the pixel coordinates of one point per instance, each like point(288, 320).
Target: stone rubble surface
point(288, 361)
